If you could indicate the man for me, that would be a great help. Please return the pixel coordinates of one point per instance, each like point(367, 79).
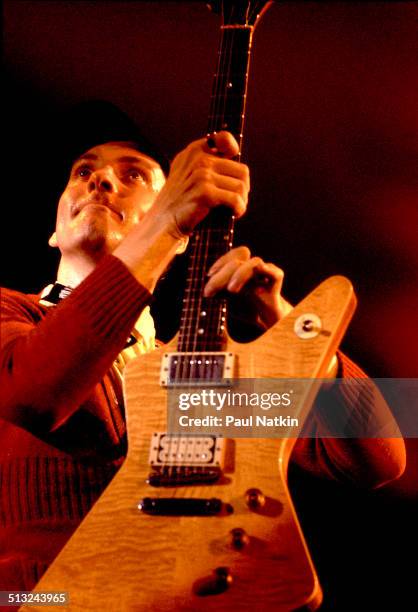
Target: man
point(63, 435)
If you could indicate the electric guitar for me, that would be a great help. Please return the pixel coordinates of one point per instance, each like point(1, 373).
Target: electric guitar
point(196, 521)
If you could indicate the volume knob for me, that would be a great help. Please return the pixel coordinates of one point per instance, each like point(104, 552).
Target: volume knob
point(255, 499)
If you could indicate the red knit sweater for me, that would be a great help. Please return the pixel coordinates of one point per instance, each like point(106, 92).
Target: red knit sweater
point(63, 435)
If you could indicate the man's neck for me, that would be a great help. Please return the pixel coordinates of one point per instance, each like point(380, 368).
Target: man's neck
point(73, 270)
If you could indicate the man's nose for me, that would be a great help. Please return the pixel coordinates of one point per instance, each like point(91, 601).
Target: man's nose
point(102, 180)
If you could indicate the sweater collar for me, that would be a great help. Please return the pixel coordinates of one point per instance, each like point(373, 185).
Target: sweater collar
point(143, 331)
point(52, 294)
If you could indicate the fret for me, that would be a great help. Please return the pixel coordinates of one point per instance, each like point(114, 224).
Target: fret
point(229, 96)
point(230, 74)
point(244, 55)
point(225, 118)
point(237, 27)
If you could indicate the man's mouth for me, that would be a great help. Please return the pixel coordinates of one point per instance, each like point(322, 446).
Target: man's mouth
point(100, 203)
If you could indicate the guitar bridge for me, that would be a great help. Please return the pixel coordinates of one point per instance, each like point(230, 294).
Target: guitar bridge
point(197, 369)
point(185, 460)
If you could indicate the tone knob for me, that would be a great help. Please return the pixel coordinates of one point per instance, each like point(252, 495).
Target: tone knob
point(240, 538)
point(223, 577)
point(255, 499)
point(218, 582)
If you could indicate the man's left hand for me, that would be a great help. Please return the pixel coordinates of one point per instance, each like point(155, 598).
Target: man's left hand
point(261, 282)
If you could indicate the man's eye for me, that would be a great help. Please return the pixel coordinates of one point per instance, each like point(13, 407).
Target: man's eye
point(135, 175)
point(82, 171)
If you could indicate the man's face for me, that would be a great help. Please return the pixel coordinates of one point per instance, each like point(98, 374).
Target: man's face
point(110, 189)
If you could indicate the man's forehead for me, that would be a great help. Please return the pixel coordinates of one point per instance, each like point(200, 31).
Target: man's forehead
point(119, 151)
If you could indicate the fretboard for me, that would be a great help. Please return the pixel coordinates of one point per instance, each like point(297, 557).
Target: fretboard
point(203, 322)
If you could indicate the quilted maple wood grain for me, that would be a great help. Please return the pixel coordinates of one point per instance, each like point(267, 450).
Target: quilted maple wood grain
point(122, 559)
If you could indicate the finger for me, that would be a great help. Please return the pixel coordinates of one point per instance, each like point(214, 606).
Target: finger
point(236, 202)
point(224, 167)
point(229, 167)
point(269, 276)
point(256, 270)
point(222, 143)
point(216, 143)
point(243, 274)
point(241, 253)
point(221, 278)
point(210, 196)
point(231, 184)
point(271, 270)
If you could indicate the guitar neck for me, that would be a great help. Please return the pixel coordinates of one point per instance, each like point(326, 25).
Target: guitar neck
point(229, 90)
point(203, 322)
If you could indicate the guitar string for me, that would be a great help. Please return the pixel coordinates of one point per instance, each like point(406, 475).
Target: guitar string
point(222, 80)
point(218, 247)
point(193, 358)
point(185, 360)
point(207, 234)
point(183, 371)
point(199, 268)
point(213, 125)
point(217, 333)
point(218, 112)
point(219, 310)
point(181, 364)
point(194, 370)
point(223, 53)
point(212, 236)
point(213, 110)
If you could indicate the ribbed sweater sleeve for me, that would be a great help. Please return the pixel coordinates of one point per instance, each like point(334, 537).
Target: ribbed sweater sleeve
point(364, 461)
point(48, 369)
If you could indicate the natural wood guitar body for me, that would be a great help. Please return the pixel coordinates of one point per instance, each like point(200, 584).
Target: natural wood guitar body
point(123, 560)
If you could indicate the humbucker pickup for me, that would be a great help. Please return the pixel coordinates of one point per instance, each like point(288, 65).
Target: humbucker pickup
point(187, 451)
point(185, 460)
point(197, 369)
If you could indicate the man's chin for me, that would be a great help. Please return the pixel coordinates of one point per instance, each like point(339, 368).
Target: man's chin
point(98, 237)
point(97, 244)
point(93, 239)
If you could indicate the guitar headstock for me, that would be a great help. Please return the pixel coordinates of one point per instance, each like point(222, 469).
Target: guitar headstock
point(239, 12)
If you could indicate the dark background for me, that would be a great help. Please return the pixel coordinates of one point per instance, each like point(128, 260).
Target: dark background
point(331, 139)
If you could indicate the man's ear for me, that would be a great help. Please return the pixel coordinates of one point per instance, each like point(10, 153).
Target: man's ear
point(53, 240)
point(182, 246)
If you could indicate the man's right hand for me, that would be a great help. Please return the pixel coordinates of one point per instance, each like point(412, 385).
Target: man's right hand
point(200, 179)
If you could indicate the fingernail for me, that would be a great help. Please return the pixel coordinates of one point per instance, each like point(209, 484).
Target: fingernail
point(211, 140)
